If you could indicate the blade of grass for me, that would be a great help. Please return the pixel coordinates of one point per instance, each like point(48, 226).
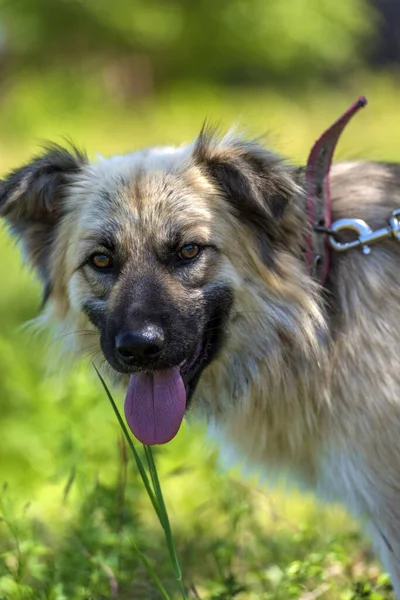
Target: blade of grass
point(147, 564)
point(164, 518)
point(128, 438)
point(147, 449)
point(155, 495)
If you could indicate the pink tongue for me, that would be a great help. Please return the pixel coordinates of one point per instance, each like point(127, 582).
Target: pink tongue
point(155, 406)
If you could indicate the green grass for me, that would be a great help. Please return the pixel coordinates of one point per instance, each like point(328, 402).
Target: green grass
point(74, 512)
point(156, 497)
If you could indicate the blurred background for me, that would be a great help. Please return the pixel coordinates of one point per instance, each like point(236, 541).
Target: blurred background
point(114, 76)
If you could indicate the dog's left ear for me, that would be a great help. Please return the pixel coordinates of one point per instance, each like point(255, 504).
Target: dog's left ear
point(32, 202)
point(255, 182)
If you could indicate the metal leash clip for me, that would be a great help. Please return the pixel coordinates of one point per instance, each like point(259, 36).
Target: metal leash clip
point(366, 236)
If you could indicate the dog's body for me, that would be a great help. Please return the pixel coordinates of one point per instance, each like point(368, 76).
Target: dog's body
point(189, 263)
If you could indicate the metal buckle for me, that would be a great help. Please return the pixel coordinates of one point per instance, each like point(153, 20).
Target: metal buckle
point(366, 236)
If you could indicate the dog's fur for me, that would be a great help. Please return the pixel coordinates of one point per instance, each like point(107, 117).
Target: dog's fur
point(296, 377)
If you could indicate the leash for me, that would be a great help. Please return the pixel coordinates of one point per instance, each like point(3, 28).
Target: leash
point(318, 196)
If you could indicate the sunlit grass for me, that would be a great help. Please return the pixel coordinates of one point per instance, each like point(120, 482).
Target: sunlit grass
point(154, 493)
point(36, 109)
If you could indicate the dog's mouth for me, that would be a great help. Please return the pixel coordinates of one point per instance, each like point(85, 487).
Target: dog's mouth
point(156, 401)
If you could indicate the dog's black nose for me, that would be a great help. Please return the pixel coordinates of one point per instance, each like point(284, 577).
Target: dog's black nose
point(140, 344)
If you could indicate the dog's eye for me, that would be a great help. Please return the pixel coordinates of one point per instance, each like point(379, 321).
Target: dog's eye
point(189, 252)
point(101, 261)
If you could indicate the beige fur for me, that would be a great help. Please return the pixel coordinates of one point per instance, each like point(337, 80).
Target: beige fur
point(308, 380)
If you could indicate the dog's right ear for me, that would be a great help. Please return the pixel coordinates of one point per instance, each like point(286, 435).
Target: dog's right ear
point(31, 202)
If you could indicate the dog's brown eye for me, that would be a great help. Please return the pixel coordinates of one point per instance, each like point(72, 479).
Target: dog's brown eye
point(189, 252)
point(101, 261)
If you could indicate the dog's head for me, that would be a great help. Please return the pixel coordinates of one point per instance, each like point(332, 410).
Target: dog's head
point(171, 255)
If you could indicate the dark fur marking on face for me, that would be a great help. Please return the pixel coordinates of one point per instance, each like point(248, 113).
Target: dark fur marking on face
point(141, 293)
point(31, 201)
point(95, 314)
point(143, 299)
point(104, 239)
point(218, 301)
point(170, 244)
point(100, 284)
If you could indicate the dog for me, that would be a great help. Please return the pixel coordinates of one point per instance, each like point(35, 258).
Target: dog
point(188, 266)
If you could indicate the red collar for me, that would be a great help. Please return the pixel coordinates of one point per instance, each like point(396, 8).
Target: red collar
point(318, 193)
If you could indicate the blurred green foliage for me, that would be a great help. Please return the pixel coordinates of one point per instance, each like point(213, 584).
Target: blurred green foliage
point(235, 41)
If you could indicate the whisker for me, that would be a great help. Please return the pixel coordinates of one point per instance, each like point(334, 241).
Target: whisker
point(108, 368)
point(247, 312)
point(92, 354)
point(219, 327)
point(78, 333)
